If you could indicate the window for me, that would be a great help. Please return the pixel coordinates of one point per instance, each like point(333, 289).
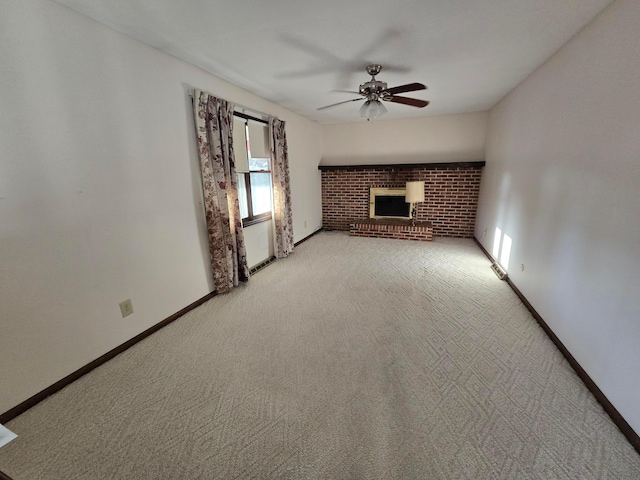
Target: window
point(254, 176)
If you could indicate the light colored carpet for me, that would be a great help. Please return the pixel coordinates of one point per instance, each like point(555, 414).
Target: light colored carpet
point(355, 358)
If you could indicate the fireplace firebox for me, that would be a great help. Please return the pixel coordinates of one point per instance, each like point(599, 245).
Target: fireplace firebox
point(388, 203)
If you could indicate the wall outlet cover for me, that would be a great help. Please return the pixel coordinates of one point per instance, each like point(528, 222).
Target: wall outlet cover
point(126, 308)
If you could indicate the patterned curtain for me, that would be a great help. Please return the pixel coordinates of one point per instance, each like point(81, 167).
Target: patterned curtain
point(283, 222)
point(214, 124)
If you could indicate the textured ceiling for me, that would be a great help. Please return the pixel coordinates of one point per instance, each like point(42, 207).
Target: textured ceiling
point(470, 53)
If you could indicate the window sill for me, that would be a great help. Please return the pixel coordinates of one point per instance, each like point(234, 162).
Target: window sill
point(247, 222)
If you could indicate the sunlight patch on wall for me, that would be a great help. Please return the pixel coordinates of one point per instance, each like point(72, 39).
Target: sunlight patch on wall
point(501, 251)
point(497, 238)
point(506, 252)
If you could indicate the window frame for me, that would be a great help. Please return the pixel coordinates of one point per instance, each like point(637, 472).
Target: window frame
point(252, 219)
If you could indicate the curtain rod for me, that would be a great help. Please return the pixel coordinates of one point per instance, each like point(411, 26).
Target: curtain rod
point(246, 116)
point(250, 117)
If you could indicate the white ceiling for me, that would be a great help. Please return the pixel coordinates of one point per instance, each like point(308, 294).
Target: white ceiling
point(470, 53)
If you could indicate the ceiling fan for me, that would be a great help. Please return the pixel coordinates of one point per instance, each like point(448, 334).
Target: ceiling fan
point(374, 90)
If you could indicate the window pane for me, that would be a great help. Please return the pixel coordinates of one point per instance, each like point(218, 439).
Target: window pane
point(260, 192)
point(259, 164)
point(242, 196)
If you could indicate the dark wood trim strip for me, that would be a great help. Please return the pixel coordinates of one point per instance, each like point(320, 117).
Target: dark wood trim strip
point(4, 476)
point(618, 419)
point(249, 117)
point(308, 237)
point(59, 385)
point(404, 166)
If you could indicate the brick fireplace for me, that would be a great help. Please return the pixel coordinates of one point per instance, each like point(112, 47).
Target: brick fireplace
point(451, 194)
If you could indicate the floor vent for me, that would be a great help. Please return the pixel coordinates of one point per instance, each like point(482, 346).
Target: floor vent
point(260, 266)
point(497, 269)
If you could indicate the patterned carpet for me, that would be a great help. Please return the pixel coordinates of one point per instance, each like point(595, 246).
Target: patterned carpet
point(355, 358)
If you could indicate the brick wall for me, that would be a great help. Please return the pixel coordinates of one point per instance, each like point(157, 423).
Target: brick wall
point(451, 194)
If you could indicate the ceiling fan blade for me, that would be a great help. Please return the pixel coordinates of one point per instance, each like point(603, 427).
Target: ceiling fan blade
point(409, 87)
point(340, 103)
point(414, 102)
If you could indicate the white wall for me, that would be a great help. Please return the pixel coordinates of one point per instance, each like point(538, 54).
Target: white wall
point(445, 138)
point(562, 180)
point(258, 239)
point(305, 143)
point(100, 196)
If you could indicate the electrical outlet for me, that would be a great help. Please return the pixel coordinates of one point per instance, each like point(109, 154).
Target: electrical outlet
point(126, 308)
point(305, 224)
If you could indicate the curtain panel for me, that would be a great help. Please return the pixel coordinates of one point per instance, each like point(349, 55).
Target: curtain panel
point(283, 219)
point(214, 130)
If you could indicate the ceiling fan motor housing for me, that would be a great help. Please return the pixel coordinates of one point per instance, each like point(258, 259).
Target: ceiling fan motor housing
point(374, 87)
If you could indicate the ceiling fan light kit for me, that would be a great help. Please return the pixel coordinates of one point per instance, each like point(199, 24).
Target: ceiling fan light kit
point(372, 109)
point(374, 90)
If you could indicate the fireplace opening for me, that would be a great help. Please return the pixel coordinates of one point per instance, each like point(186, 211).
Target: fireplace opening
point(391, 206)
point(388, 203)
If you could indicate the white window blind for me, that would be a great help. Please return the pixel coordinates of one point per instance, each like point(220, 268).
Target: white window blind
point(240, 145)
point(259, 140)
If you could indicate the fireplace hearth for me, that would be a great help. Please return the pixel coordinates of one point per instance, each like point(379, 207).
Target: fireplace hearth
point(392, 228)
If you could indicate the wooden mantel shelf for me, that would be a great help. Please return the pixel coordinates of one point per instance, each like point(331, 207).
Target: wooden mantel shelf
point(404, 166)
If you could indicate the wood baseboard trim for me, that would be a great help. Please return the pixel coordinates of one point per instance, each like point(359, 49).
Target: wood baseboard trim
point(618, 419)
point(59, 385)
point(308, 237)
